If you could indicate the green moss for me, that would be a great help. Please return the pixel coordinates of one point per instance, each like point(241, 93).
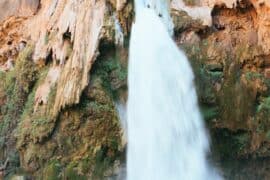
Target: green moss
point(98, 107)
point(84, 137)
point(242, 140)
point(105, 130)
point(204, 86)
point(230, 145)
point(209, 112)
point(253, 75)
point(29, 104)
point(17, 84)
point(102, 162)
point(52, 171)
point(111, 72)
point(216, 75)
point(84, 165)
point(268, 135)
point(71, 172)
point(262, 118)
point(41, 120)
point(236, 98)
point(25, 70)
point(265, 105)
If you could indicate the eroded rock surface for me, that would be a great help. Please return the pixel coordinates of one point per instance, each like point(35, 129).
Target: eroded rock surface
point(18, 8)
point(230, 59)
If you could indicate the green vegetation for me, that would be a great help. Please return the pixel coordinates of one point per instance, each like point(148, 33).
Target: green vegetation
point(268, 135)
point(208, 112)
point(111, 73)
point(84, 165)
point(253, 75)
point(264, 106)
point(86, 137)
point(28, 108)
point(17, 84)
point(71, 172)
point(42, 122)
point(234, 144)
point(102, 162)
point(262, 118)
point(52, 171)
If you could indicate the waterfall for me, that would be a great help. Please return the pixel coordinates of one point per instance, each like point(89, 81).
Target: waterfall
point(119, 35)
point(166, 135)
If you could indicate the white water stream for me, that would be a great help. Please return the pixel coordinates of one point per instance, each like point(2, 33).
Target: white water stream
point(166, 134)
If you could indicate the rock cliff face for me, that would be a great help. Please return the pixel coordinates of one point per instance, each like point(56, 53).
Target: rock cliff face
point(63, 70)
point(18, 8)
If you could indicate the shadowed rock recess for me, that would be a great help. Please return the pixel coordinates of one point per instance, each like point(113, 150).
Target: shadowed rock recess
point(63, 72)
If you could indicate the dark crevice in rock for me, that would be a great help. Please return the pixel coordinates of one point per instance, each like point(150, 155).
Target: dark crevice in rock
point(49, 58)
point(67, 35)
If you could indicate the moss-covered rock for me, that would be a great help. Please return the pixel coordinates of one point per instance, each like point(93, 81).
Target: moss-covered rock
point(231, 86)
point(16, 85)
point(85, 140)
point(52, 171)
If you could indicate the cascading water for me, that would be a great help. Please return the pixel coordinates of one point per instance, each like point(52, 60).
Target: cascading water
point(166, 135)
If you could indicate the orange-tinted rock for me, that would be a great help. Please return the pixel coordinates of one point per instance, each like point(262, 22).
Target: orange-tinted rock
point(19, 8)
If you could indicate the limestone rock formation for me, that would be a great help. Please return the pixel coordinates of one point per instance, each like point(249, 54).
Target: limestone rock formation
point(19, 8)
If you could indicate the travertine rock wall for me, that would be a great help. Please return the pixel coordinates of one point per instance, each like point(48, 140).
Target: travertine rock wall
point(20, 8)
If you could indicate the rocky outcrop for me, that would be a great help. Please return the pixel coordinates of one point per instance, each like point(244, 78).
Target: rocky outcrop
point(11, 42)
point(18, 8)
point(230, 59)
